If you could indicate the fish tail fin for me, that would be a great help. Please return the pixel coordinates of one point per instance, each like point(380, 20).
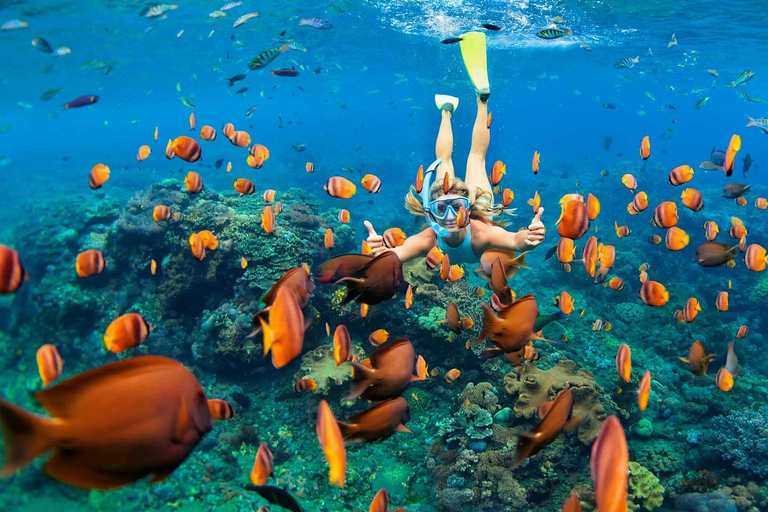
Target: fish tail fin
point(491, 353)
point(269, 336)
point(526, 444)
point(27, 436)
point(751, 121)
point(569, 32)
point(361, 379)
point(490, 320)
point(705, 362)
point(520, 260)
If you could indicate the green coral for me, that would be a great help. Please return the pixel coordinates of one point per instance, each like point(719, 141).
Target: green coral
point(467, 422)
point(419, 401)
point(645, 491)
point(759, 292)
point(429, 322)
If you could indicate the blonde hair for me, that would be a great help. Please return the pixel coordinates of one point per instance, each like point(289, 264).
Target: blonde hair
point(481, 201)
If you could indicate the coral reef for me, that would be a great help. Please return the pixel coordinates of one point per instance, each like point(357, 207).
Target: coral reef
point(319, 364)
point(645, 491)
point(712, 502)
point(538, 386)
point(741, 437)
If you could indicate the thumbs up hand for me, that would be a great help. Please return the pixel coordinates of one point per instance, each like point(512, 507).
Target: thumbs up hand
point(375, 241)
point(536, 230)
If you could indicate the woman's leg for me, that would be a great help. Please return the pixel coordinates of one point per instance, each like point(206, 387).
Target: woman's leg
point(481, 137)
point(444, 146)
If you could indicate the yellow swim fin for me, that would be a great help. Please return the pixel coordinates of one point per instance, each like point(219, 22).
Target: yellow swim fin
point(473, 52)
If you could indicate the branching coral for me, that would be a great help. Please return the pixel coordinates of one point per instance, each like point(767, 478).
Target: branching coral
point(742, 438)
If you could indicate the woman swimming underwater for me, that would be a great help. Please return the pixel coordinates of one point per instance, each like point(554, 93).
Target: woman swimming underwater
point(440, 202)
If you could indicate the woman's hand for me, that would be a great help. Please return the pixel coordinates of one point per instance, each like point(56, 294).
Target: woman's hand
point(375, 242)
point(536, 231)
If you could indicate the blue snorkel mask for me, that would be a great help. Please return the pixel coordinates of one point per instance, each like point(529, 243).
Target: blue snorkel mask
point(439, 208)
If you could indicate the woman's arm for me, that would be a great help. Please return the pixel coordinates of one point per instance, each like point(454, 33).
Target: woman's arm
point(413, 247)
point(495, 237)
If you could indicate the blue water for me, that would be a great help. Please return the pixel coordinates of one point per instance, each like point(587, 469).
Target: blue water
point(371, 110)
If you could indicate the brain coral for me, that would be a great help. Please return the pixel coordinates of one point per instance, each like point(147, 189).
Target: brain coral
point(539, 386)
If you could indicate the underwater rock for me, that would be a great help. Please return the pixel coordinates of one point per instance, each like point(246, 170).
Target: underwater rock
point(538, 386)
point(504, 417)
point(711, 502)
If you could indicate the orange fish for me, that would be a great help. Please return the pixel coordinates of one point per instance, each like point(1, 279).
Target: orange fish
point(452, 374)
point(644, 391)
point(284, 328)
point(100, 410)
point(755, 258)
point(332, 443)
point(243, 263)
point(455, 273)
point(565, 303)
point(574, 218)
point(309, 167)
point(593, 207)
point(409, 297)
point(153, 267)
point(616, 283)
point(194, 182)
point(229, 166)
point(721, 302)
point(365, 248)
point(462, 217)
point(89, 263)
point(328, 239)
point(724, 379)
point(738, 229)
point(645, 148)
point(98, 176)
point(730, 155)
point(665, 215)
point(445, 267)
point(422, 370)
point(698, 360)
point(741, 201)
point(342, 345)
point(488, 120)
point(364, 309)
point(240, 139)
point(433, 258)
point(343, 216)
point(676, 239)
point(621, 231)
point(507, 196)
point(186, 148)
point(624, 362)
point(125, 332)
point(260, 155)
point(220, 410)
point(380, 502)
point(419, 183)
point(446, 183)
point(711, 229)
point(208, 132)
point(169, 154)
point(681, 174)
point(589, 256)
point(640, 202)
point(371, 183)
point(535, 163)
point(572, 504)
point(393, 237)
point(566, 250)
point(653, 293)
point(743, 332)
point(244, 186)
point(192, 121)
point(49, 364)
point(693, 199)
point(209, 239)
point(692, 308)
point(197, 246)
point(609, 463)
point(143, 153)
point(340, 187)
point(278, 208)
point(156, 128)
point(378, 337)
point(161, 213)
point(497, 172)
point(305, 385)
point(607, 255)
point(228, 130)
point(535, 202)
point(268, 219)
point(761, 203)
point(629, 181)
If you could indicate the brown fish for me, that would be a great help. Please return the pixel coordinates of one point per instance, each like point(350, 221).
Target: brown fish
point(511, 331)
point(454, 321)
point(378, 422)
point(388, 374)
point(511, 261)
point(112, 425)
point(557, 418)
point(715, 254)
point(373, 282)
point(499, 284)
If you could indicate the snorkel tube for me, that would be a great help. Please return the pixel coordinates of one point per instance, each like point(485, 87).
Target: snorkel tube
point(429, 178)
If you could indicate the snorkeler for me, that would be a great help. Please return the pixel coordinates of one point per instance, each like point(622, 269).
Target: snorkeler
point(463, 244)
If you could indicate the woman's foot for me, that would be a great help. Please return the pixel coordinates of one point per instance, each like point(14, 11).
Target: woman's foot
point(446, 102)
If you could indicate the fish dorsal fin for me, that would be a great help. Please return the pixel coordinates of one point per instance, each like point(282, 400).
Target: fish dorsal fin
point(58, 400)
